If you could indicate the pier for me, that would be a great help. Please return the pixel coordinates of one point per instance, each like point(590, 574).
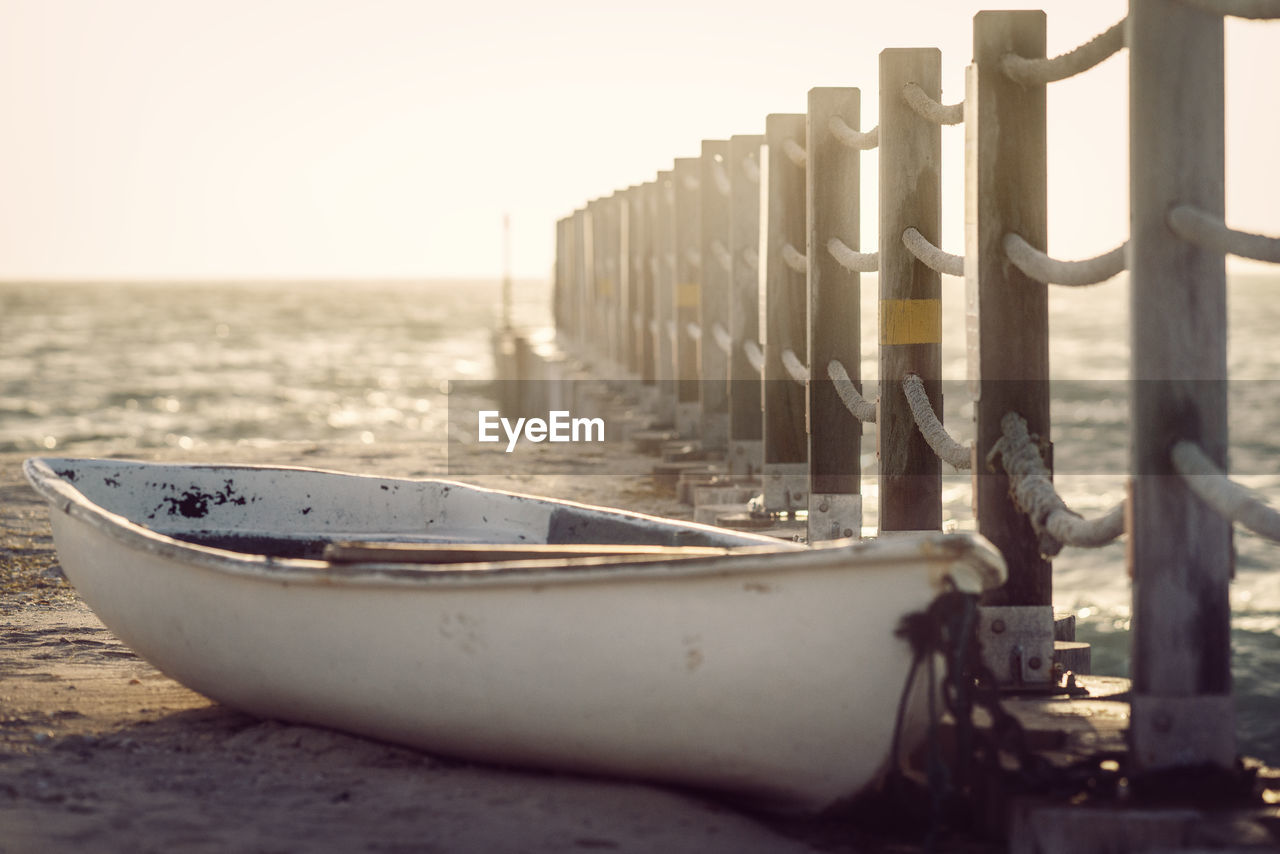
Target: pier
point(722, 298)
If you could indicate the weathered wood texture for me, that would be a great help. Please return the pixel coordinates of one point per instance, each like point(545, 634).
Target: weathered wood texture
point(688, 275)
point(832, 194)
point(783, 291)
point(642, 281)
point(713, 312)
point(910, 293)
point(1180, 551)
point(664, 294)
point(745, 425)
point(1007, 312)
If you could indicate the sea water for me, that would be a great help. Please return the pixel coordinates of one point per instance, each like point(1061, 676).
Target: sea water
point(112, 367)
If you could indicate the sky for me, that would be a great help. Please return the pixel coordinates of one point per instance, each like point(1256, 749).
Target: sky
point(215, 139)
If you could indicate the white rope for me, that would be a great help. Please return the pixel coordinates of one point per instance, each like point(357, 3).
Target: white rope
point(694, 331)
point(1051, 271)
point(1032, 491)
point(947, 448)
point(861, 408)
point(670, 259)
point(798, 370)
point(931, 110)
point(1210, 232)
point(851, 260)
point(931, 256)
point(693, 256)
point(1037, 71)
point(1231, 500)
point(671, 331)
point(795, 259)
point(755, 357)
point(751, 258)
point(719, 176)
point(723, 339)
point(653, 328)
point(795, 152)
point(751, 168)
point(860, 140)
point(722, 256)
point(1258, 10)
point(691, 182)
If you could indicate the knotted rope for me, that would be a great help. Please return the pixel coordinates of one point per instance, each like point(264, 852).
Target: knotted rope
point(1231, 500)
point(1210, 232)
point(931, 110)
point(948, 449)
point(931, 256)
point(1037, 71)
point(1032, 492)
point(853, 261)
point(861, 408)
point(860, 140)
point(1051, 271)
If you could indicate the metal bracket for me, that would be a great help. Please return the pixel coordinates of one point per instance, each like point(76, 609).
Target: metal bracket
point(1017, 644)
point(834, 516)
point(786, 487)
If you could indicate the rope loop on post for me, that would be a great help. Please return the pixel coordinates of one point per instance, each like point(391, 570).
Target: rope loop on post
point(694, 331)
point(1231, 500)
point(859, 140)
point(931, 256)
point(1037, 71)
point(795, 152)
point(851, 260)
point(931, 110)
point(751, 168)
point(858, 406)
point(723, 339)
point(1032, 492)
point(1051, 271)
point(755, 356)
point(691, 182)
point(1258, 10)
point(751, 258)
point(795, 259)
point(798, 370)
point(1210, 232)
point(948, 449)
point(694, 257)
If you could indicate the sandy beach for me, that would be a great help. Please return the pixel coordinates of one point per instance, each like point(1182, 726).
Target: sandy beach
point(99, 751)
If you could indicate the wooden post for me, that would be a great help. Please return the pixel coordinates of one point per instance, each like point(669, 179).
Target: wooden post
point(621, 317)
point(645, 279)
point(582, 279)
point(835, 506)
point(713, 314)
point(639, 307)
point(1005, 187)
point(910, 292)
point(782, 223)
point(687, 292)
point(1180, 551)
point(746, 453)
point(593, 346)
point(662, 237)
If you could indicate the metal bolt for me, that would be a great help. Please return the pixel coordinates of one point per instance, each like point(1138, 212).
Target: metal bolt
point(997, 626)
point(848, 532)
point(824, 506)
point(1034, 662)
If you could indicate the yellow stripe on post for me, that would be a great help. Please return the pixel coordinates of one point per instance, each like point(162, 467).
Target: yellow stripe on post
point(688, 295)
point(910, 321)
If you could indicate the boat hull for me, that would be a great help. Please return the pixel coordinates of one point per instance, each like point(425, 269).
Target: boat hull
point(772, 675)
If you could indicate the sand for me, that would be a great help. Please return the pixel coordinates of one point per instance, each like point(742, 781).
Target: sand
point(101, 752)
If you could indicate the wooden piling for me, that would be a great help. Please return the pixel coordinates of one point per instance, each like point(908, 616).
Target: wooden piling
point(688, 275)
point(1180, 551)
point(1005, 192)
point(640, 296)
point(713, 311)
point(663, 267)
point(745, 425)
point(910, 292)
point(782, 223)
point(832, 178)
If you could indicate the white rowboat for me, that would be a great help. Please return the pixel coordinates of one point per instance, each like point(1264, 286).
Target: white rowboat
point(695, 655)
